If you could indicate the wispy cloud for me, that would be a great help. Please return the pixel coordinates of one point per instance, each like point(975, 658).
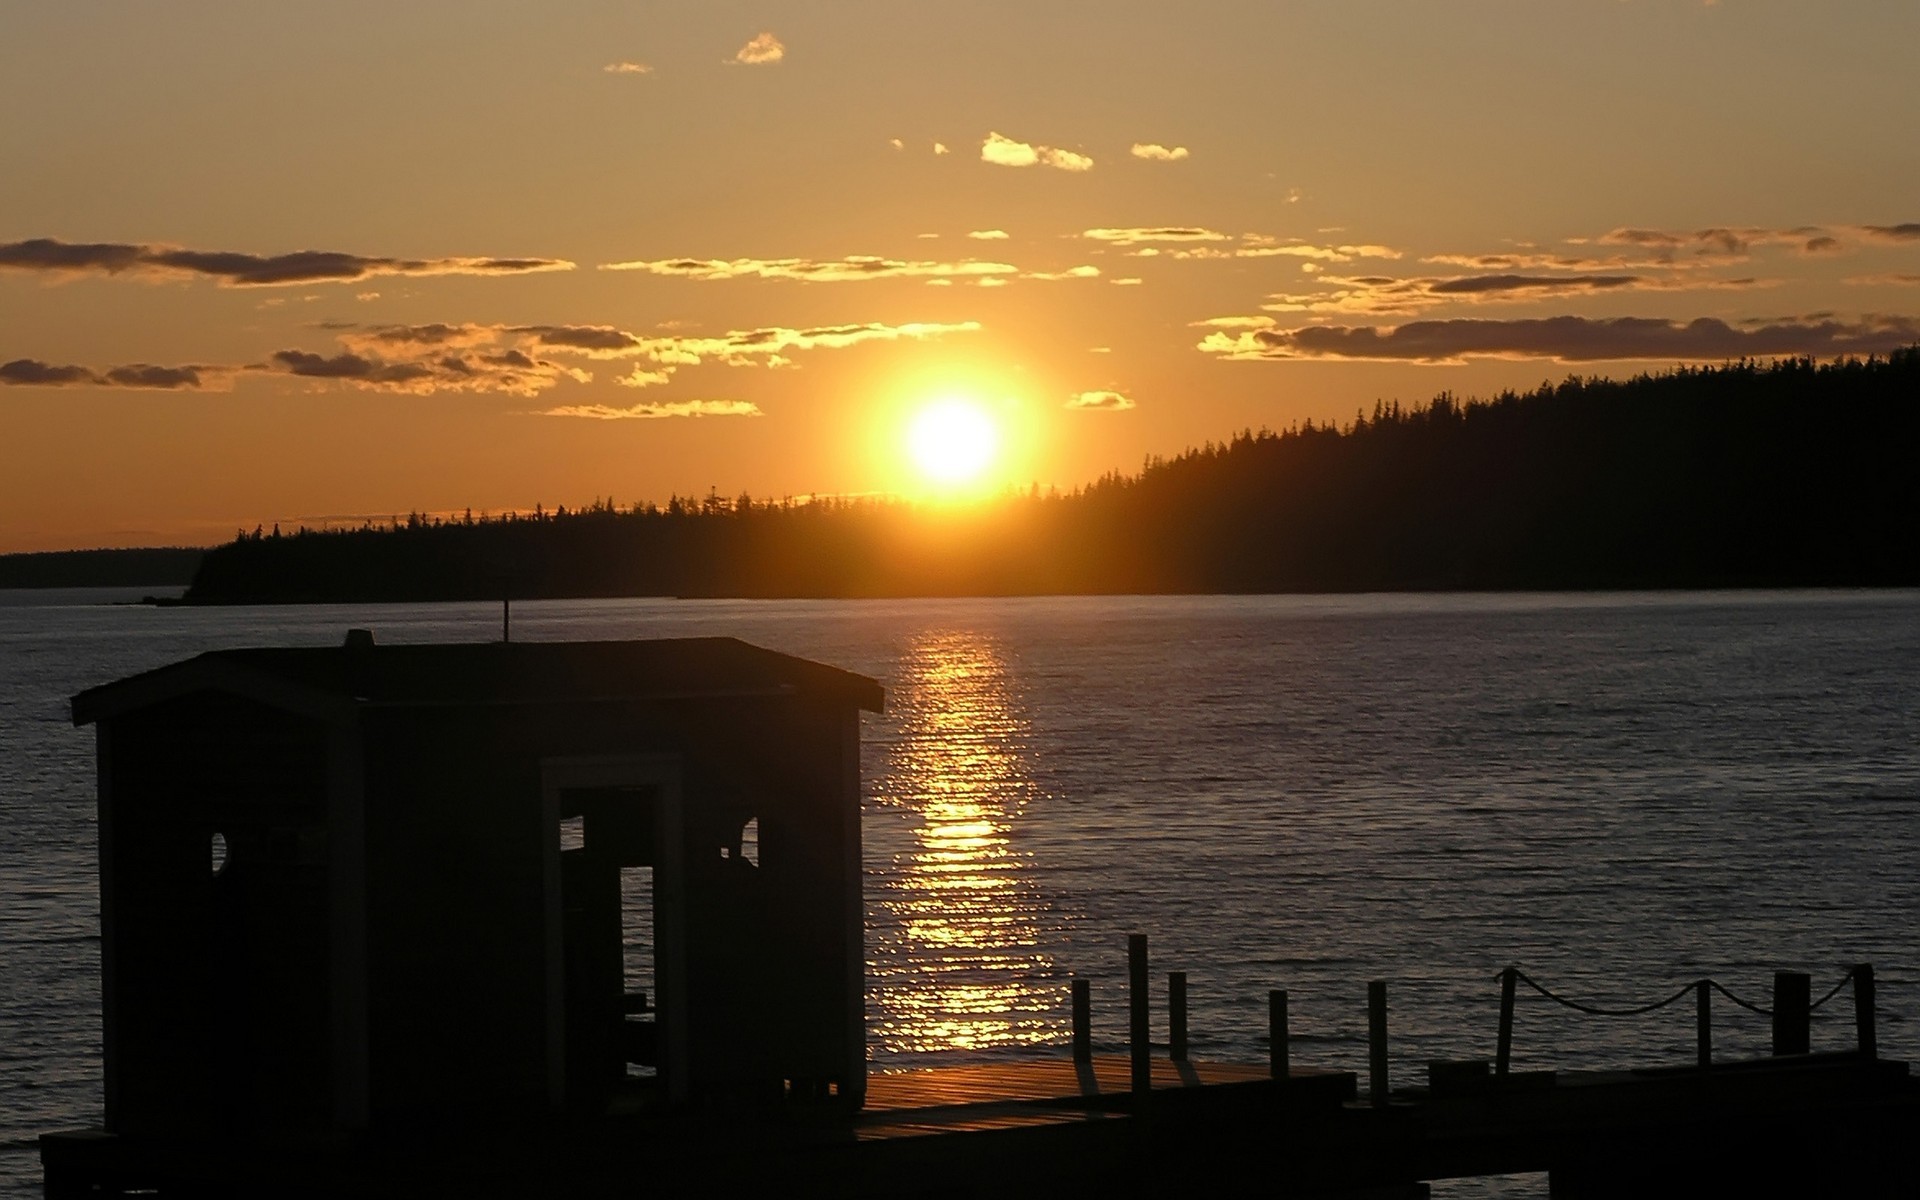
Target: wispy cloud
point(1569, 339)
point(510, 371)
point(1102, 401)
point(1147, 235)
point(29, 372)
point(854, 269)
point(628, 68)
point(1004, 151)
point(54, 257)
point(1908, 231)
point(1385, 295)
point(988, 235)
point(649, 412)
point(1155, 152)
point(751, 347)
point(763, 49)
point(1719, 242)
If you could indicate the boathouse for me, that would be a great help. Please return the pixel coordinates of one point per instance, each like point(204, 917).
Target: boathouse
point(364, 886)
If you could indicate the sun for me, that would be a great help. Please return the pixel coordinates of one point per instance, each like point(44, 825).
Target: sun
point(953, 442)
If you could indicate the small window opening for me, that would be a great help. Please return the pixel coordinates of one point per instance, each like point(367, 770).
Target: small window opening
point(573, 833)
point(750, 842)
point(219, 852)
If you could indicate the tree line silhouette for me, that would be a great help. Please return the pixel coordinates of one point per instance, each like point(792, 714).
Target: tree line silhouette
point(1790, 473)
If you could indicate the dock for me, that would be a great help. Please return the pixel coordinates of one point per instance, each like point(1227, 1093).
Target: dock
point(365, 919)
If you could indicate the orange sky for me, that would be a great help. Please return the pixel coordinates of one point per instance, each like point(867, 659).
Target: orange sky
point(305, 262)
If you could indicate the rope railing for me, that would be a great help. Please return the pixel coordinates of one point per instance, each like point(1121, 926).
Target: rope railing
point(1791, 1011)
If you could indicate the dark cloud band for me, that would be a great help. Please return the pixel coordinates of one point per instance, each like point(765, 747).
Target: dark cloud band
point(246, 270)
point(28, 372)
point(1569, 339)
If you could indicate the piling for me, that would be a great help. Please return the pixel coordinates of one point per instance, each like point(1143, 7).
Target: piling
point(1177, 1016)
point(1138, 1028)
point(1377, 1041)
point(1279, 1053)
point(1082, 1021)
point(1503, 1051)
point(1863, 1010)
point(1703, 1021)
point(1792, 1012)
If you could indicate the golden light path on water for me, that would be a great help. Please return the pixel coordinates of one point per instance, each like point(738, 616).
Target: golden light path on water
point(955, 942)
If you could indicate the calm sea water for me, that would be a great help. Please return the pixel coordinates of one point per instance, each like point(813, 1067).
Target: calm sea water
point(1620, 793)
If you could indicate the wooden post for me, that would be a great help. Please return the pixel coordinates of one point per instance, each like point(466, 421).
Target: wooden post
point(1863, 1010)
point(1279, 1053)
point(1138, 1029)
point(1082, 1021)
point(1177, 1016)
point(1792, 1012)
point(1703, 1021)
point(1377, 1042)
point(1503, 1051)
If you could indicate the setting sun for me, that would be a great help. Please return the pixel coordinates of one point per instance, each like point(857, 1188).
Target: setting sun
point(953, 442)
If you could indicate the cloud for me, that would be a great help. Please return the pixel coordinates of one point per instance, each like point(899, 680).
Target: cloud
point(1080, 272)
point(1538, 285)
point(516, 358)
point(1100, 402)
point(628, 68)
point(843, 270)
point(762, 50)
point(1155, 152)
point(1139, 236)
point(1908, 231)
point(28, 372)
point(1383, 295)
point(1257, 245)
point(1889, 279)
point(940, 148)
point(1569, 339)
point(1004, 151)
point(989, 235)
point(448, 365)
point(245, 270)
point(675, 408)
point(1718, 242)
point(640, 377)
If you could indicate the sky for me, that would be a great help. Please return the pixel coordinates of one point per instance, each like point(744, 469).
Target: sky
point(320, 263)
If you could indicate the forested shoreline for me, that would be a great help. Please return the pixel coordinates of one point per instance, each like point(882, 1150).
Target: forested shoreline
point(1780, 474)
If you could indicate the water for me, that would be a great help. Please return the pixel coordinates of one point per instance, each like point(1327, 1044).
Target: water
point(1619, 793)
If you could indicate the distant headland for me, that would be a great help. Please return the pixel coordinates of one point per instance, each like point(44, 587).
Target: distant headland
point(1782, 474)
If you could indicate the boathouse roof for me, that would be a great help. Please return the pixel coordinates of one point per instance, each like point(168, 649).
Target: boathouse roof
point(334, 681)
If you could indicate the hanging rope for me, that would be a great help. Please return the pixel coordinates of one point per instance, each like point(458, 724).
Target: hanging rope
point(1642, 1009)
point(1835, 989)
point(1746, 1004)
point(1592, 1010)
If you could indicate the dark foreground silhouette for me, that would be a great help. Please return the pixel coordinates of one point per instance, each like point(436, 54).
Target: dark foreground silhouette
point(1746, 475)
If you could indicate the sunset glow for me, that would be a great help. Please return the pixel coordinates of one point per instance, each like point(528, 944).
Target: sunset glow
point(953, 442)
point(238, 290)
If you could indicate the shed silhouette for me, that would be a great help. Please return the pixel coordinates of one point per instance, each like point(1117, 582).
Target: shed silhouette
point(348, 887)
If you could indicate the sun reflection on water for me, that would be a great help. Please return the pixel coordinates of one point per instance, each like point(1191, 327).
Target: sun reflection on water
point(955, 934)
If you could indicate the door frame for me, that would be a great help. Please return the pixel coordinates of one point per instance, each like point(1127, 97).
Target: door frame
point(661, 774)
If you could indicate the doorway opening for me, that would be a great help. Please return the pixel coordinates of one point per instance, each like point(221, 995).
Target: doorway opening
point(614, 970)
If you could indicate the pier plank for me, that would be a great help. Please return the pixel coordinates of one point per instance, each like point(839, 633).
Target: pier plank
point(1059, 1081)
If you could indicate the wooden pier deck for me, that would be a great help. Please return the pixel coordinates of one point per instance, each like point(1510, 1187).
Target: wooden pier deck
point(1065, 1081)
point(1817, 1124)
